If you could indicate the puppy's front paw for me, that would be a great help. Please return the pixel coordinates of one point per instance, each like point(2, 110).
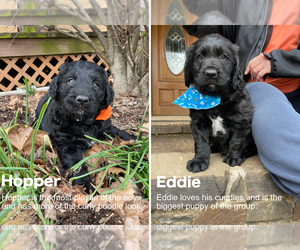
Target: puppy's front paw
point(197, 165)
point(85, 181)
point(232, 161)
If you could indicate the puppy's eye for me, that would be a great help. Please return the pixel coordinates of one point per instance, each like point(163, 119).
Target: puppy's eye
point(95, 85)
point(71, 81)
point(222, 56)
point(200, 56)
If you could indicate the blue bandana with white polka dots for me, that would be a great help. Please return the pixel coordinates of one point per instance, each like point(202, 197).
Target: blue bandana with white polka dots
point(193, 99)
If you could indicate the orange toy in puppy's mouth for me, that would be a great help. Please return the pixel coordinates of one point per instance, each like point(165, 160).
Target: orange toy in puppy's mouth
point(104, 114)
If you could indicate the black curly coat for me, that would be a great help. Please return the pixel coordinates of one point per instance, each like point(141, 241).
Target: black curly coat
point(212, 67)
point(78, 93)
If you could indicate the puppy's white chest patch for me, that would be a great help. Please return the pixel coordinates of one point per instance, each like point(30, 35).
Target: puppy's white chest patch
point(217, 126)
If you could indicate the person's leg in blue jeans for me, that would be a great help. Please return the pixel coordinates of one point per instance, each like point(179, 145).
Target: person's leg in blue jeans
point(276, 131)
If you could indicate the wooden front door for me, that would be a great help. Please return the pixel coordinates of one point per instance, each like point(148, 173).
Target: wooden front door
point(168, 45)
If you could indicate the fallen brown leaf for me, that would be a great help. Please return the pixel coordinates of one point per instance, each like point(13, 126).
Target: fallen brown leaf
point(94, 161)
point(49, 157)
point(116, 199)
point(116, 141)
point(39, 162)
point(20, 138)
point(128, 143)
point(145, 125)
point(111, 170)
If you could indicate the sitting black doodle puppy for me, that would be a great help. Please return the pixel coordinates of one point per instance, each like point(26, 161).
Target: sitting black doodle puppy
point(220, 107)
point(80, 99)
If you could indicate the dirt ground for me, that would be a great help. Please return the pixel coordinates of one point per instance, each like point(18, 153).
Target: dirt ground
point(78, 237)
point(127, 113)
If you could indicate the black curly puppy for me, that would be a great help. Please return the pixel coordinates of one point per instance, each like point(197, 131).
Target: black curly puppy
point(212, 67)
point(79, 93)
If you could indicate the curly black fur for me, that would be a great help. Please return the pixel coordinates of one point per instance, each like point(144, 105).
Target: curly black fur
point(78, 93)
point(212, 67)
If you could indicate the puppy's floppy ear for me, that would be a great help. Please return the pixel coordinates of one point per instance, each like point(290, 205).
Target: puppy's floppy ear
point(53, 88)
point(109, 95)
point(54, 83)
point(188, 75)
point(238, 81)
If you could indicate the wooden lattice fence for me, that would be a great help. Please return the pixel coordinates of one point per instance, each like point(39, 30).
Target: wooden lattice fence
point(39, 70)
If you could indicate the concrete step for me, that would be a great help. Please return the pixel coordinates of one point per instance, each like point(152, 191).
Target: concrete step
point(170, 125)
point(226, 196)
point(246, 237)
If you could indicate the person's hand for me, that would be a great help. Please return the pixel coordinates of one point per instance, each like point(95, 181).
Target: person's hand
point(258, 67)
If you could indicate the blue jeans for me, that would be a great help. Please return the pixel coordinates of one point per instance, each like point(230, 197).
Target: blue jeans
point(276, 131)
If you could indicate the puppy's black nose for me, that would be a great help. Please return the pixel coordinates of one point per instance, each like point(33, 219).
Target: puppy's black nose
point(211, 73)
point(82, 99)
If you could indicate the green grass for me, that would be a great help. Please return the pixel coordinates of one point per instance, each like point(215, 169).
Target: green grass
point(133, 159)
point(12, 163)
point(30, 90)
